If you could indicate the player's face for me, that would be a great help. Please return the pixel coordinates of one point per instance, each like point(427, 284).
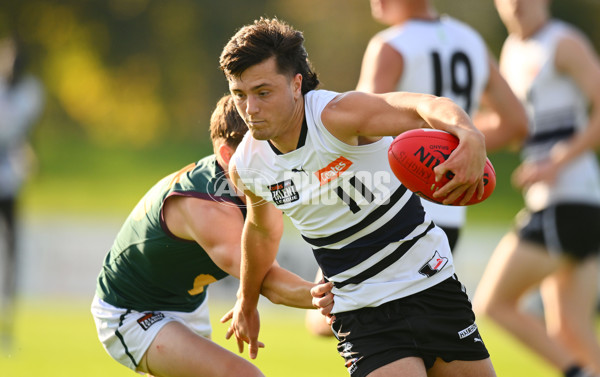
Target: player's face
point(266, 99)
point(516, 13)
point(388, 12)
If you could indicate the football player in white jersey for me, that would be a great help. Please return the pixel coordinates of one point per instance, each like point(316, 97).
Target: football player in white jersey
point(424, 52)
point(320, 157)
point(555, 72)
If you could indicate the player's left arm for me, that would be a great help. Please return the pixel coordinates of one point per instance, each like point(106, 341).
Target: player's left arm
point(576, 58)
point(354, 116)
point(196, 219)
point(318, 322)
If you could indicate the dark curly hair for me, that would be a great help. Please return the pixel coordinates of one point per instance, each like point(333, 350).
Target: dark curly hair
point(265, 38)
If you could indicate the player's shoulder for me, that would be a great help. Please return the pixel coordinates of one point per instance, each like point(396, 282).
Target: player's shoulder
point(317, 102)
point(568, 33)
point(455, 22)
point(204, 209)
point(460, 29)
point(572, 49)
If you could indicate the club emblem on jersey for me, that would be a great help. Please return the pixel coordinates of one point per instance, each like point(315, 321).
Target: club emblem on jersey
point(284, 192)
point(333, 170)
point(149, 319)
point(434, 265)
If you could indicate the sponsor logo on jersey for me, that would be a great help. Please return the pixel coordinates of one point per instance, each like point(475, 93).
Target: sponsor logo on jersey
point(149, 319)
point(434, 265)
point(468, 331)
point(284, 192)
point(333, 170)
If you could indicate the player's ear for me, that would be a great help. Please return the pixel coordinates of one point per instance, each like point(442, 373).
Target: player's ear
point(225, 152)
point(297, 85)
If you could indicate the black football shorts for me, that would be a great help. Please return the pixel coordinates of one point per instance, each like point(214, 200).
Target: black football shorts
point(437, 322)
point(570, 229)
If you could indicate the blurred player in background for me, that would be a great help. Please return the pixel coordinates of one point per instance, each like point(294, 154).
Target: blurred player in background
point(320, 157)
point(151, 307)
point(21, 103)
point(423, 52)
point(555, 72)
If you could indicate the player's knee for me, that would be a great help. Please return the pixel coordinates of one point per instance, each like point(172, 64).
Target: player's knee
point(570, 330)
point(317, 325)
point(246, 370)
point(321, 330)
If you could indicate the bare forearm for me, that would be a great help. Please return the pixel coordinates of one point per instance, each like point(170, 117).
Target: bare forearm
point(283, 287)
point(581, 143)
point(258, 255)
point(443, 114)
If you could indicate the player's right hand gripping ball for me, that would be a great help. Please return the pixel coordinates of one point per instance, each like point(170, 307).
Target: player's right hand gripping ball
point(413, 155)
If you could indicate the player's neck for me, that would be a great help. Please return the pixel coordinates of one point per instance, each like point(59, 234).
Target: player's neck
point(528, 29)
point(422, 12)
point(287, 140)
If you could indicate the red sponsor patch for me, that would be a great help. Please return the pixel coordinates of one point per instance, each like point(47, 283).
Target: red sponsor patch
point(333, 170)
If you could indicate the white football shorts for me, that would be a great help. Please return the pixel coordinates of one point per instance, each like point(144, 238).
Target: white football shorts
point(127, 334)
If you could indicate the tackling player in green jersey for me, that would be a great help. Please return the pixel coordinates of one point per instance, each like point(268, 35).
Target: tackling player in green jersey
point(150, 306)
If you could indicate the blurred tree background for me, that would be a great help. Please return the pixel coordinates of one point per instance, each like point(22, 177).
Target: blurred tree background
point(130, 84)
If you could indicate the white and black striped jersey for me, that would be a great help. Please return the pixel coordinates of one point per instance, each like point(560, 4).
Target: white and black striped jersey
point(369, 234)
point(444, 57)
point(557, 109)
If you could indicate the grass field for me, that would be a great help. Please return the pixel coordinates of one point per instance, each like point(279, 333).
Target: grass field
point(58, 339)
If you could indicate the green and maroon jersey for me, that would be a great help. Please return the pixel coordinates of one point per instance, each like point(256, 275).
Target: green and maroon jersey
point(149, 268)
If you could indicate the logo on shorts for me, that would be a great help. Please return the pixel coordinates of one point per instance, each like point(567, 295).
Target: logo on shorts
point(347, 350)
point(149, 319)
point(284, 192)
point(434, 265)
point(351, 364)
point(468, 331)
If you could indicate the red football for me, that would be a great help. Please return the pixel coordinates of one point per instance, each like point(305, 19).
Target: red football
point(413, 155)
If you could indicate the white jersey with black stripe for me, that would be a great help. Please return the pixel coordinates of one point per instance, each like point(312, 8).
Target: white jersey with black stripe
point(369, 235)
point(448, 58)
point(557, 109)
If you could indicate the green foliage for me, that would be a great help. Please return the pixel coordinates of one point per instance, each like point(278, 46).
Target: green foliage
point(75, 176)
